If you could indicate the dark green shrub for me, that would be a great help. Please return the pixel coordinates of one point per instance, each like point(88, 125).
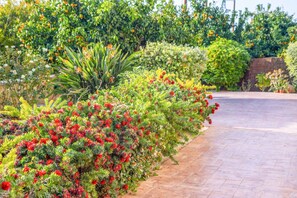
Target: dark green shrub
point(227, 63)
point(209, 21)
point(132, 23)
point(185, 62)
point(90, 69)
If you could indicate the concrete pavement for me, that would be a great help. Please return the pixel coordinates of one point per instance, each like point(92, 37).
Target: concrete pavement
point(250, 150)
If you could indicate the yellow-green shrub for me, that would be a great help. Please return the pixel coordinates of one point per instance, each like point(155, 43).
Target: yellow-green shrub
point(291, 61)
point(227, 63)
point(186, 62)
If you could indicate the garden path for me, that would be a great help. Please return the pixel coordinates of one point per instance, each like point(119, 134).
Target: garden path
point(249, 151)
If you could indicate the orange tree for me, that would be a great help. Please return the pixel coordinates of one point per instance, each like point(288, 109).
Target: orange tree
point(267, 33)
point(197, 25)
point(128, 23)
point(75, 23)
point(173, 23)
point(209, 22)
point(11, 14)
point(132, 23)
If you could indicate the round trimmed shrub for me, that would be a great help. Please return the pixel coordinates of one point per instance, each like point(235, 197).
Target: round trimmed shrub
point(227, 63)
point(291, 61)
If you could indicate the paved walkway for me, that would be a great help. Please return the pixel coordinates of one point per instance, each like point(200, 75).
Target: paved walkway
point(249, 151)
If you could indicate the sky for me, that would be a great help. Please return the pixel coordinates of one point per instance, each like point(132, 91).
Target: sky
point(287, 5)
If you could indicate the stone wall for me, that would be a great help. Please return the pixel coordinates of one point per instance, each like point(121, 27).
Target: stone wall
point(263, 65)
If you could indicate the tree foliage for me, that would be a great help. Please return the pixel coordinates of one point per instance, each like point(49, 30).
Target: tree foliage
point(12, 14)
point(268, 32)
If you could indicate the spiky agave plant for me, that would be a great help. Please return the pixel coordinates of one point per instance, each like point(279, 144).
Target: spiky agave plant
point(92, 68)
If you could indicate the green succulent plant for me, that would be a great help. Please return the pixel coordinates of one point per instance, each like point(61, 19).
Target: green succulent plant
point(90, 69)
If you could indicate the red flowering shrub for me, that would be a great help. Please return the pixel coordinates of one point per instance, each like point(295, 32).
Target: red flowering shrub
point(172, 109)
point(103, 146)
point(80, 149)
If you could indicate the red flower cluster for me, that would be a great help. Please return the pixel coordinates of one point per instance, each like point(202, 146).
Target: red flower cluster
point(94, 182)
point(5, 185)
point(40, 173)
point(125, 187)
point(97, 107)
point(50, 161)
point(57, 172)
point(108, 105)
point(217, 106)
point(26, 169)
point(30, 146)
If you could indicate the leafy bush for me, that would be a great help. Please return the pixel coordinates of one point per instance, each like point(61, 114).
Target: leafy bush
point(278, 81)
point(75, 153)
point(263, 82)
point(105, 145)
point(186, 62)
point(93, 68)
point(292, 31)
point(227, 63)
point(291, 61)
point(22, 74)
